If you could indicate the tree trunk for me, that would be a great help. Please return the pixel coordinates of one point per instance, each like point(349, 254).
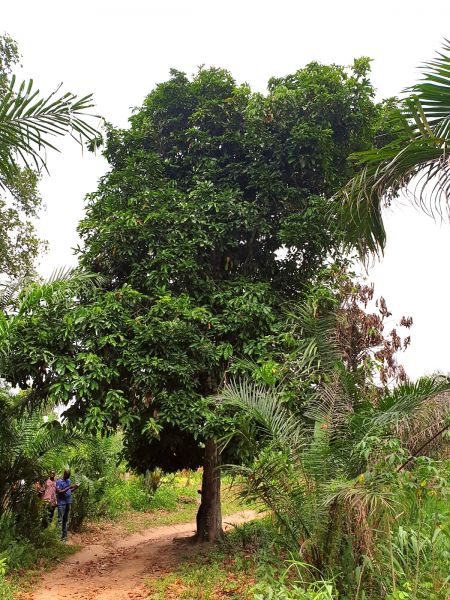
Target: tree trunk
point(209, 516)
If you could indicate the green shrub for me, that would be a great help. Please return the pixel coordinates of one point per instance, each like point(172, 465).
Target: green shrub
point(15, 550)
point(319, 590)
point(82, 506)
point(122, 495)
point(165, 498)
point(6, 591)
point(413, 555)
point(18, 552)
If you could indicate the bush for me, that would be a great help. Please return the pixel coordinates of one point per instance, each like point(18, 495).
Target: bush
point(122, 495)
point(6, 592)
point(16, 551)
point(165, 498)
point(82, 506)
point(319, 590)
point(413, 554)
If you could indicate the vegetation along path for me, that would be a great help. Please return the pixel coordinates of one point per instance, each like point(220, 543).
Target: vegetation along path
point(117, 569)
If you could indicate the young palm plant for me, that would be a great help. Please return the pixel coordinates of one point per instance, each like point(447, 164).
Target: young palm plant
point(321, 469)
point(28, 448)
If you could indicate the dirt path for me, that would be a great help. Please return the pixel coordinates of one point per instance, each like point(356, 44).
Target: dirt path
point(116, 571)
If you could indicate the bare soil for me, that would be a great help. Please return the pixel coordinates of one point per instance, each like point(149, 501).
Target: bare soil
point(114, 567)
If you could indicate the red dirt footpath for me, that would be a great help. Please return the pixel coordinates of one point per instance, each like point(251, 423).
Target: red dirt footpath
point(116, 569)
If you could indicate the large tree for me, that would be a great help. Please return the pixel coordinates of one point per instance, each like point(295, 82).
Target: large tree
point(213, 216)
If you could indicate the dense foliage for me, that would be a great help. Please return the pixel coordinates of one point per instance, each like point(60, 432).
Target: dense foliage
point(212, 181)
point(213, 314)
point(214, 214)
point(355, 475)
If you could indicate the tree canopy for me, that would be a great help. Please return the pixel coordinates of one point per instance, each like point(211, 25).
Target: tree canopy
point(218, 197)
point(212, 183)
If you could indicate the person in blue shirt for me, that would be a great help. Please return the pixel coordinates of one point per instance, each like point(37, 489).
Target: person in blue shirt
point(64, 489)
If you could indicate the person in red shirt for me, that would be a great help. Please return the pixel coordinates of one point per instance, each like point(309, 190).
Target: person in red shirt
point(49, 499)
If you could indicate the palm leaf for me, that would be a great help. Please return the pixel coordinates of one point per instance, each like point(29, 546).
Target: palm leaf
point(431, 96)
point(265, 406)
point(418, 429)
point(374, 498)
point(29, 123)
point(415, 162)
point(26, 444)
point(58, 286)
point(405, 400)
point(317, 349)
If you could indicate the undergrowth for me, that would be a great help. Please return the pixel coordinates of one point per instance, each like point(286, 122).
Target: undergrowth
point(22, 557)
point(252, 562)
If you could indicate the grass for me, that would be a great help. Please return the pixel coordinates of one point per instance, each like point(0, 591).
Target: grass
point(253, 563)
point(176, 501)
point(250, 553)
point(204, 578)
point(41, 558)
point(225, 571)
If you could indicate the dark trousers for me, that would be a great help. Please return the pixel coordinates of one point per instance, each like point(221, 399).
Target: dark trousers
point(63, 518)
point(47, 517)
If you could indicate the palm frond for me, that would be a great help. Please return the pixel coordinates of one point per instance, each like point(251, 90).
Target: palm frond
point(415, 162)
point(264, 404)
point(47, 437)
point(417, 429)
point(420, 169)
point(272, 481)
point(329, 409)
point(30, 122)
point(26, 445)
point(374, 497)
point(30, 289)
point(330, 406)
point(406, 400)
point(4, 329)
point(317, 348)
point(60, 284)
point(9, 290)
point(430, 105)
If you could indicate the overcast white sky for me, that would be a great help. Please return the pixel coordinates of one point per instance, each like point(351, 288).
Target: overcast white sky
point(120, 50)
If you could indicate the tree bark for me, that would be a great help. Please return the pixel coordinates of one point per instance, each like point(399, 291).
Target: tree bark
point(209, 516)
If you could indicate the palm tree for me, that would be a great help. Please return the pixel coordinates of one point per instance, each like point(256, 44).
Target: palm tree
point(322, 471)
point(320, 460)
point(28, 447)
point(416, 161)
point(29, 123)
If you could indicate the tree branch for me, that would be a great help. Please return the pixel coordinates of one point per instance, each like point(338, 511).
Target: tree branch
point(424, 445)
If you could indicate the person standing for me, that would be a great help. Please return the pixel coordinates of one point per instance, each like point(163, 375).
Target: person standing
point(49, 499)
point(64, 489)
